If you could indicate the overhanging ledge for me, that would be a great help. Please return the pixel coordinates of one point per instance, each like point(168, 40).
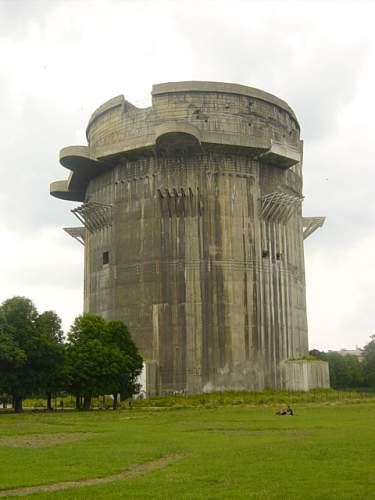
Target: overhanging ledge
point(60, 189)
point(280, 154)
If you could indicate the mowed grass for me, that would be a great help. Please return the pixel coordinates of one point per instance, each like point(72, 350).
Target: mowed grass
point(327, 450)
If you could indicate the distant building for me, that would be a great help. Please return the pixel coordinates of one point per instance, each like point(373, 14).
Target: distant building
point(357, 352)
point(191, 214)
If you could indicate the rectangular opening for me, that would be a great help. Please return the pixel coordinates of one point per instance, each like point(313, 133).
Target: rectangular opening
point(105, 258)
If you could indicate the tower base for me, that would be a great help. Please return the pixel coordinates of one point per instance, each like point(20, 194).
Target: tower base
point(304, 375)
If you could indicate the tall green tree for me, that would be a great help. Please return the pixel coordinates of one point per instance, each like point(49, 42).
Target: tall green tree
point(102, 359)
point(52, 354)
point(12, 359)
point(86, 358)
point(17, 377)
point(27, 350)
point(132, 362)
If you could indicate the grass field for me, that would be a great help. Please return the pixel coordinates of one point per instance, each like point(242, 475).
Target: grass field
point(327, 450)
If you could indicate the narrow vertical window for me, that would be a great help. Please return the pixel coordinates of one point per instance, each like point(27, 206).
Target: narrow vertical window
point(105, 258)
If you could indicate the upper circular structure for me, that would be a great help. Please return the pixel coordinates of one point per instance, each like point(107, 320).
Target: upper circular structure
point(221, 88)
point(186, 116)
point(222, 113)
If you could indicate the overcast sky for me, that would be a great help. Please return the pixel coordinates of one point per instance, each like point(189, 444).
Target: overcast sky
point(59, 60)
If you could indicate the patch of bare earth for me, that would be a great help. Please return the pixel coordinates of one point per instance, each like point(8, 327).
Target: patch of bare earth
point(42, 440)
point(132, 471)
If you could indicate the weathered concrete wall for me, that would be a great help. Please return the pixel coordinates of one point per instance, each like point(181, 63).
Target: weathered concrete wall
point(304, 375)
point(204, 240)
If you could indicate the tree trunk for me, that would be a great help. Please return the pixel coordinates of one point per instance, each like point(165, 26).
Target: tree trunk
point(78, 402)
point(49, 401)
point(115, 399)
point(17, 404)
point(87, 403)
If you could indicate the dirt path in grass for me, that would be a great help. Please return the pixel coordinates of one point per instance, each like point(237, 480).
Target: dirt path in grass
point(42, 440)
point(132, 471)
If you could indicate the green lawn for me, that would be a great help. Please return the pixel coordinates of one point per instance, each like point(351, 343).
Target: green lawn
point(235, 451)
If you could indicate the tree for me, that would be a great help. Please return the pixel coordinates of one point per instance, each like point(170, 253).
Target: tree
point(344, 371)
point(85, 358)
point(127, 380)
point(28, 349)
point(52, 352)
point(12, 359)
point(18, 333)
point(369, 362)
point(102, 359)
point(355, 370)
point(49, 323)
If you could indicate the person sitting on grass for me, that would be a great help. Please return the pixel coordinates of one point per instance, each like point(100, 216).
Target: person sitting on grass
point(285, 411)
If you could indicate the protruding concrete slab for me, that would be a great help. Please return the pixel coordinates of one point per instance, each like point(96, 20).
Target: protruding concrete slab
point(71, 155)
point(78, 159)
point(83, 168)
point(281, 155)
point(311, 224)
point(60, 189)
point(78, 233)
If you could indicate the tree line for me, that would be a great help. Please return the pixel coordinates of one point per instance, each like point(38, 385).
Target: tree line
point(98, 357)
point(348, 371)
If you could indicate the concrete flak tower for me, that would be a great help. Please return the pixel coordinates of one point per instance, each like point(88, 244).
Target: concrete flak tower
point(193, 231)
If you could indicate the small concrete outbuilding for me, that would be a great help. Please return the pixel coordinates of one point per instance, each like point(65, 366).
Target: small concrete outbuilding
point(191, 214)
